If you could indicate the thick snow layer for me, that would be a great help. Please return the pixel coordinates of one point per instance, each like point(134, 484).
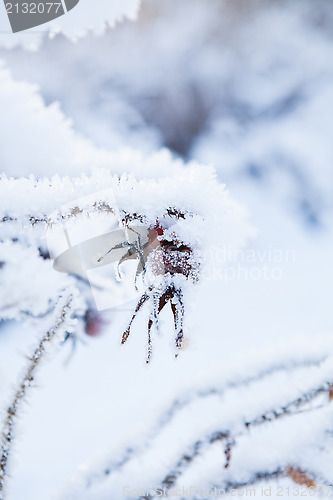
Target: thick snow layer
point(244, 85)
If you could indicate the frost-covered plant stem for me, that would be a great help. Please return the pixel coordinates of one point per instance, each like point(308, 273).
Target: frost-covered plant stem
point(315, 399)
point(291, 409)
point(260, 476)
point(7, 434)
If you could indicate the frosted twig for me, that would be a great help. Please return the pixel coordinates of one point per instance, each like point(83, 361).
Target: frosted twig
point(7, 435)
point(97, 207)
point(170, 479)
point(180, 404)
point(292, 408)
point(260, 476)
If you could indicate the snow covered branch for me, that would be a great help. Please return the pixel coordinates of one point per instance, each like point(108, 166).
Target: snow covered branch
point(64, 322)
point(246, 430)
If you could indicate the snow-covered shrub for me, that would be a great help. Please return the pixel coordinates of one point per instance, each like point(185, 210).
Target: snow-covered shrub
point(248, 401)
point(198, 220)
